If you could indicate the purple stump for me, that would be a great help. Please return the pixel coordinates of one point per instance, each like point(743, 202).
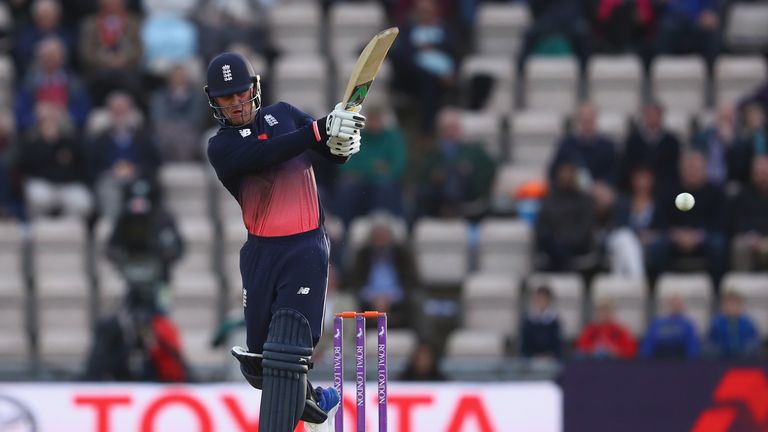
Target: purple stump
point(338, 368)
point(381, 355)
point(360, 371)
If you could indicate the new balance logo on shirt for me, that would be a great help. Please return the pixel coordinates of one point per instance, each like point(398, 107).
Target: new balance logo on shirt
point(245, 132)
point(303, 291)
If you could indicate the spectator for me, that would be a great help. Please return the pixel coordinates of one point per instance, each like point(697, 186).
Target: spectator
point(167, 40)
point(373, 180)
point(559, 26)
point(9, 205)
point(424, 61)
point(605, 337)
point(672, 335)
point(732, 332)
point(49, 81)
point(384, 273)
point(178, 115)
point(225, 23)
point(540, 331)
point(698, 232)
point(716, 143)
point(622, 26)
point(111, 51)
point(650, 143)
point(565, 227)
point(748, 221)
point(423, 366)
point(594, 154)
point(752, 141)
point(121, 154)
point(689, 25)
point(46, 24)
point(455, 178)
point(52, 162)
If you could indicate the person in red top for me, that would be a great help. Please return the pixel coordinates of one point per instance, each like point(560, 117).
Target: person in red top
point(605, 337)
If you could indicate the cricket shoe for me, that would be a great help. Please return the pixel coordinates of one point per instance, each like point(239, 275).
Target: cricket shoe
point(329, 401)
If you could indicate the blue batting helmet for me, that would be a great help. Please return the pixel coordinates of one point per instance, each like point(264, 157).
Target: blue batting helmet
point(227, 74)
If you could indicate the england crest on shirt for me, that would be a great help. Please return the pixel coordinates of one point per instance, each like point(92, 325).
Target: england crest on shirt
point(270, 120)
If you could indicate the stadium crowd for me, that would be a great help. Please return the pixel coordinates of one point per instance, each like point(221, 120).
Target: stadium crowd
point(107, 93)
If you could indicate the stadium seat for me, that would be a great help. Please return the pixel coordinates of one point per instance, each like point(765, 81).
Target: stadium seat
point(482, 128)
point(185, 189)
point(7, 77)
point(379, 93)
point(490, 301)
point(614, 125)
point(753, 287)
point(302, 80)
point(172, 7)
point(696, 290)
point(468, 343)
point(296, 27)
point(551, 84)
point(615, 83)
point(352, 25)
point(11, 249)
point(63, 287)
point(65, 335)
point(195, 287)
point(401, 344)
point(501, 28)
point(679, 122)
point(679, 82)
point(360, 228)
point(629, 296)
point(568, 291)
point(14, 337)
point(442, 251)
point(746, 30)
point(501, 69)
point(737, 76)
point(505, 246)
point(59, 246)
point(535, 135)
point(509, 178)
point(198, 236)
point(197, 323)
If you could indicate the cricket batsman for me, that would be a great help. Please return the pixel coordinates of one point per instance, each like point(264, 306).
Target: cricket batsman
point(259, 155)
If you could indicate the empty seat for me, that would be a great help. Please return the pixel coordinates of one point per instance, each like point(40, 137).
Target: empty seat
point(737, 76)
point(174, 7)
point(746, 29)
point(508, 180)
point(59, 246)
point(14, 340)
point(11, 248)
point(197, 287)
point(614, 125)
point(753, 287)
point(629, 296)
point(568, 292)
point(197, 324)
point(302, 79)
point(442, 250)
point(7, 71)
point(65, 335)
point(185, 188)
point(401, 343)
point(534, 137)
point(615, 83)
point(379, 91)
point(679, 82)
point(296, 27)
point(679, 123)
point(501, 28)
point(695, 289)
point(483, 128)
point(505, 246)
point(63, 286)
point(501, 70)
point(352, 25)
point(551, 84)
point(468, 343)
point(198, 246)
point(490, 302)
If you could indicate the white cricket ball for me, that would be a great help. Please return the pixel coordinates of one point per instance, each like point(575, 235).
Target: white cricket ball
point(684, 201)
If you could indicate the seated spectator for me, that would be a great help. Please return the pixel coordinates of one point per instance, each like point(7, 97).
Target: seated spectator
point(716, 143)
point(423, 366)
point(748, 221)
point(752, 141)
point(52, 163)
point(605, 337)
point(455, 178)
point(594, 154)
point(179, 111)
point(424, 61)
point(49, 81)
point(384, 274)
point(373, 181)
point(622, 26)
point(672, 335)
point(650, 143)
point(111, 51)
point(121, 154)
point(698, 232)
point(732, 332)
point(225, 23)
point(167, 39)
point(565, 226)
point(540, 330)
point(46, 24)
point(636, 225)
point(559, 26)
point(689, 26)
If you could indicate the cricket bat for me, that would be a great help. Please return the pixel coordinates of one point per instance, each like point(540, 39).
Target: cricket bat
point(366, 68)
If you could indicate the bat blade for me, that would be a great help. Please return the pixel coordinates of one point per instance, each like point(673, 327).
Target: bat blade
point(367, 66)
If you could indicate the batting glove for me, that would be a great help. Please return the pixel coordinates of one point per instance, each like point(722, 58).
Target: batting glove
point(344, 147)
point(343, 124)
